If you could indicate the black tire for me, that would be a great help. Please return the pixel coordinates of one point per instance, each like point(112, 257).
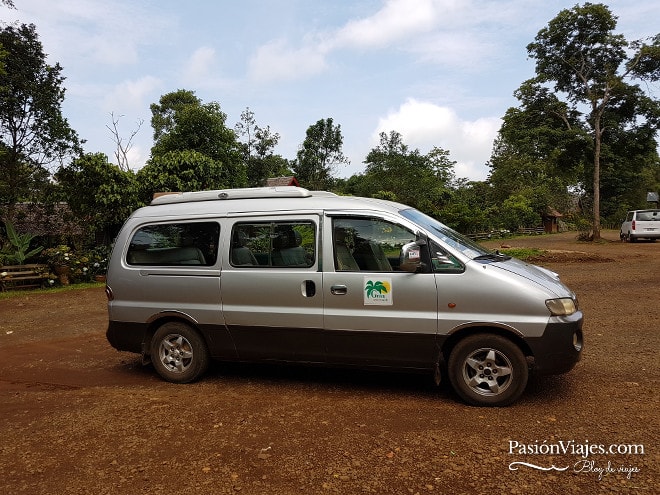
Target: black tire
point(487, 370)
point(179, 353)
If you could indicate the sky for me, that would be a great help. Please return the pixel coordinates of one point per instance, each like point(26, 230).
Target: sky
point(440, 72)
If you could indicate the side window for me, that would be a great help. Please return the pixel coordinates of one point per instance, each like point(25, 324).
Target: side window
point(273, 244)
point(175, 244)
point(443, 262)
point(368, 244)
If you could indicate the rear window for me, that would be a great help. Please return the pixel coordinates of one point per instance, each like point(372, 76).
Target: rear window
point(175, 244)
point(648, 215)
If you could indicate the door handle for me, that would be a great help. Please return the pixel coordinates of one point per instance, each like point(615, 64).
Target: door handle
point(308, 288)
point(339, 290)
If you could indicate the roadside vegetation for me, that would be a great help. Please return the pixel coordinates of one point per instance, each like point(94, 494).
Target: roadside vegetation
point(522, 253)
point(581, 147)
point(16, 293)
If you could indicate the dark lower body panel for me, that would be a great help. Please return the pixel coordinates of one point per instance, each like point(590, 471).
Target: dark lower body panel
point(559, 349)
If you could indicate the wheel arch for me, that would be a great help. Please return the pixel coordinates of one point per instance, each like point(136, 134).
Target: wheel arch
point(159, 319)
point(479, 328)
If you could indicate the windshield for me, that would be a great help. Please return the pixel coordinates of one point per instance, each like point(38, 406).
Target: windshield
point(447, 235)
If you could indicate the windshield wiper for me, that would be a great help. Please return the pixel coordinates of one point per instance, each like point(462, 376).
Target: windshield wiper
point(496, 256)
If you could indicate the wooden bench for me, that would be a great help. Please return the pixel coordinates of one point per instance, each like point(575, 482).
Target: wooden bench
point(480, 236)
point(484, 236)
point(23, 276)
point(531, 230)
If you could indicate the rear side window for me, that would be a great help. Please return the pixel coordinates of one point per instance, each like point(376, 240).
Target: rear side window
point(175, 244)
point(273, 244)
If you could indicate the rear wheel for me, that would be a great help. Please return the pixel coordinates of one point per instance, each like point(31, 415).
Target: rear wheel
point(488, 370)
point(179, 353)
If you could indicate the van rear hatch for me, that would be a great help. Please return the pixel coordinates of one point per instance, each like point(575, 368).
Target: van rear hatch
point(646, 221)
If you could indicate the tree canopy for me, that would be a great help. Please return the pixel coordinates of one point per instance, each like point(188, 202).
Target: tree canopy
point(33, 131)
point(319, 155)
point(182, 123)
point(395, 172)
point(257, 145)
point(180, 170)
point(586, 125)
point(593, 68)
point(99, 192)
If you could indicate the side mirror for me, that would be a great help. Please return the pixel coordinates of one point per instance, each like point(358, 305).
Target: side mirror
point(411, 258)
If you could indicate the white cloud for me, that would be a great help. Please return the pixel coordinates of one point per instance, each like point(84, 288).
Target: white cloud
point(396, 20)
point(130, 95)
point(457, 50)
point(83, 32)
point(436, 31)
point(276, 60)
point(199, 66)
point(137, 157)
point(424, 125)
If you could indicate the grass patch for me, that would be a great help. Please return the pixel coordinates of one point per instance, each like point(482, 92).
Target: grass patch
point(49, 290)
point(522, 253)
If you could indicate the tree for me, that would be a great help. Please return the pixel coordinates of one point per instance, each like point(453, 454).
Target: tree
point(581, 56)
point(33, 132)
point(395, 172)
point(163, 114)
point(470, 208)
point(184, 170)
point(257, 150)
point(123, 146)
point(99, 192)
point(319, 155)
point(182, 123)
point(540, 151)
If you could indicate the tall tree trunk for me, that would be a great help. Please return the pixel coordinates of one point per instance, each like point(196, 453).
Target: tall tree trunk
point(596, 185)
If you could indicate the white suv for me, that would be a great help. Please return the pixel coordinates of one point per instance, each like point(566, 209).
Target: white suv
point(641, 224)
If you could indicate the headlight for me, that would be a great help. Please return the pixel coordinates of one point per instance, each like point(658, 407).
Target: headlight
point(561, 307)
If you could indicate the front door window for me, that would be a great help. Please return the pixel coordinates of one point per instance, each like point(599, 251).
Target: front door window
point(368, 244)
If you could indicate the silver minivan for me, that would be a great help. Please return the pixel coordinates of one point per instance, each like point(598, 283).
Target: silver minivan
point(283, 274)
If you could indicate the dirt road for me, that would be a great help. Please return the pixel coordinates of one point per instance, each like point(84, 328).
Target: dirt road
point(77, 417)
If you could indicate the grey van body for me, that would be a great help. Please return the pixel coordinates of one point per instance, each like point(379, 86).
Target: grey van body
point(285, 274)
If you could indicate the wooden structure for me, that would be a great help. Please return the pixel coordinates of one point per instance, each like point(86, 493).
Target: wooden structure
point(551, 220)
point(282, 181)
point(23, 276)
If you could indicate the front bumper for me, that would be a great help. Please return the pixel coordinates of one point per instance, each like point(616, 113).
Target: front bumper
point(560, 347)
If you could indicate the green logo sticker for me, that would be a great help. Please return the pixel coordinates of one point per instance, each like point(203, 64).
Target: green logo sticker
point(378, 291)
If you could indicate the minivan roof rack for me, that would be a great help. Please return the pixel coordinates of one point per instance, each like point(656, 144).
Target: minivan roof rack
point(228, 194)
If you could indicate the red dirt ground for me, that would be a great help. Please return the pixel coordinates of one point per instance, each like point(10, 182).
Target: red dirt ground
point(81, 418)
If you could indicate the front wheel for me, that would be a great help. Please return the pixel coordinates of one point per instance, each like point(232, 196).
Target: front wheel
point(179, 353)
point(487, 370)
